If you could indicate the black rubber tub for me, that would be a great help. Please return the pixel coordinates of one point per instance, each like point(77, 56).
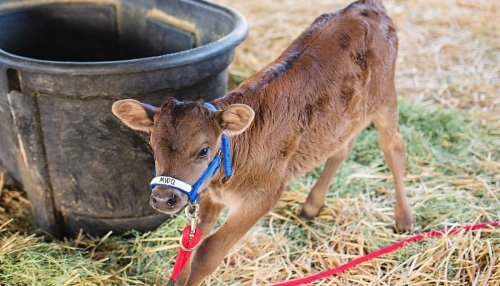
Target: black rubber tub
point(62, 65)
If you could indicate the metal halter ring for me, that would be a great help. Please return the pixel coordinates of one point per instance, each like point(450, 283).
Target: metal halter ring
point(192, 216)
point(192, 213)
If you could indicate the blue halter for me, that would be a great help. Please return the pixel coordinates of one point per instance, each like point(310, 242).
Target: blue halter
point(223, 155)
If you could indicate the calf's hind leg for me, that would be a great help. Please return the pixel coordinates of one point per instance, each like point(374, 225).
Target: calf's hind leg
point(316, 198)
point(392, 145)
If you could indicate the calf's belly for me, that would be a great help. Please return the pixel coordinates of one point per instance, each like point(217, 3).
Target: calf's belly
point(315, 148)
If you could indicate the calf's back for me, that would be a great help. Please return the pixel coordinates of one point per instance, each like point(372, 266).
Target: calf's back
point(321, 92)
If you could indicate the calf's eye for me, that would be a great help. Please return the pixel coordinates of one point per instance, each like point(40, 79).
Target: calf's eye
point(203, 153)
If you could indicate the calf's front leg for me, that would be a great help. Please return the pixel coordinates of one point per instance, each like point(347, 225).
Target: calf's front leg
point(215, 247)
point(209, 213)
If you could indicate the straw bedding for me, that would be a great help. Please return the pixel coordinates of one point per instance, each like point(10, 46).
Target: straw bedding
point(448, 81)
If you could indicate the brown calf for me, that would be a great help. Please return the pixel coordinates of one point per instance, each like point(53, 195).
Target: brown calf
point(307, 106)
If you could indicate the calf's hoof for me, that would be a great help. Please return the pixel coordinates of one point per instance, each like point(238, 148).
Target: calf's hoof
point(404, 221)
point(309, 211)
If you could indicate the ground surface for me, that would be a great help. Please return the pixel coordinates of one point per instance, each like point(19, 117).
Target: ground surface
point(448, 79)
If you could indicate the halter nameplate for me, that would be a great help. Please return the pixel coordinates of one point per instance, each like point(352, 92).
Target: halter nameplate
point(171, 182)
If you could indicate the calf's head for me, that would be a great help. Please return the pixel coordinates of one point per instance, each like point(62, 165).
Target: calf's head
point(184, 137)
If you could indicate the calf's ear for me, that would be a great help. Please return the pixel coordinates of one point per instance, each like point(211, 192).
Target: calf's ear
point(235, 119)
point(136, 115)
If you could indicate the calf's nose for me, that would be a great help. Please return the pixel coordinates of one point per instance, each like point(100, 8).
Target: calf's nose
point(168, 200)
point(154, 201)
point(172, 201)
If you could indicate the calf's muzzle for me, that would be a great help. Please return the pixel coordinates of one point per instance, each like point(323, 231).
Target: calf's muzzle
point(168, 200)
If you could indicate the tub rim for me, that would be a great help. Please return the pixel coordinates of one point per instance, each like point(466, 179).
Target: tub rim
point(181, 58)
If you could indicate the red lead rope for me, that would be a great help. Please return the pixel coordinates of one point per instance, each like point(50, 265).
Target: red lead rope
point(189, 243)
point(385, 250)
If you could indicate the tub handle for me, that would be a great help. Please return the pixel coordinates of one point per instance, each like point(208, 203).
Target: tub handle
point(13, 81)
